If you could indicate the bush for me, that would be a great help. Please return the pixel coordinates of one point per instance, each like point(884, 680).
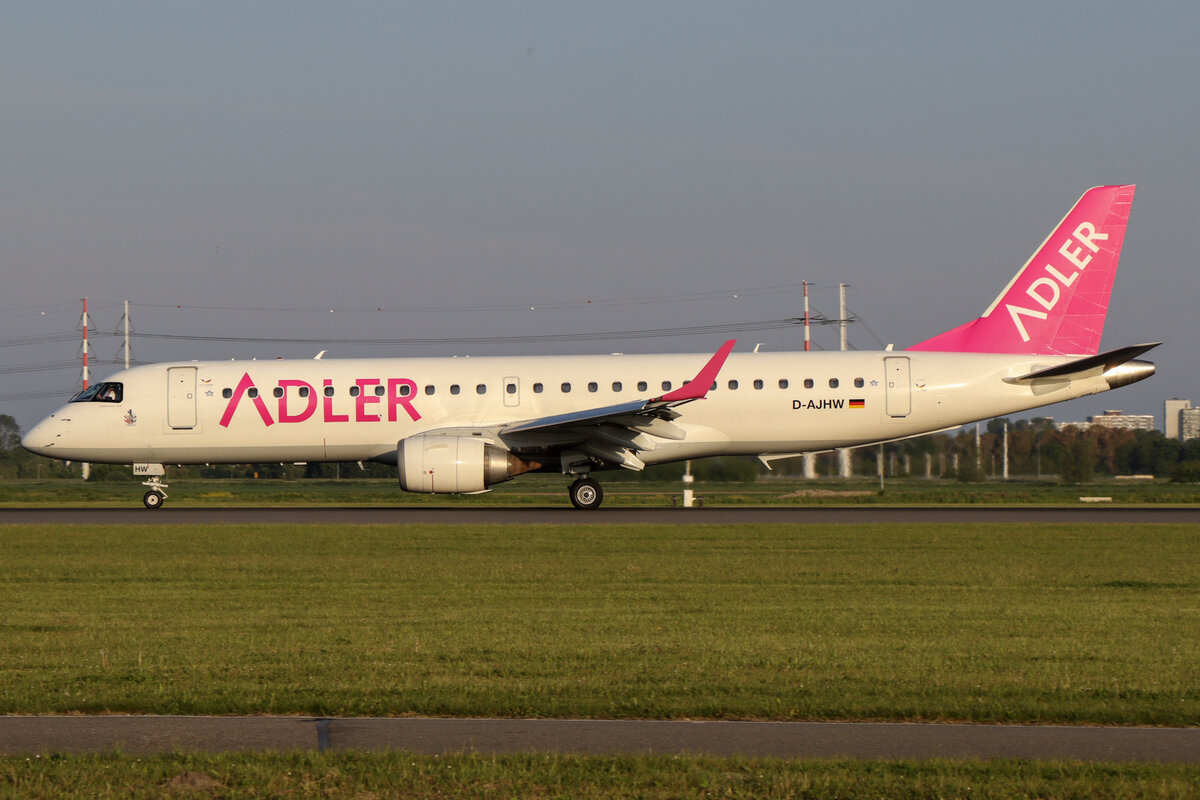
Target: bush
point(1080, 463)
point(1186, 472)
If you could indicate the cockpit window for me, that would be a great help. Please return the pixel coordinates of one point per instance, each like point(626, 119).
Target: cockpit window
point(101, 393)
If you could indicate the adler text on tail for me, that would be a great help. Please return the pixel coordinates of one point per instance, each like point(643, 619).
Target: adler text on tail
point(1057, 303)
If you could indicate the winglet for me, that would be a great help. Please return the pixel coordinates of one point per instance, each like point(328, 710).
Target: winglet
point(698, 387)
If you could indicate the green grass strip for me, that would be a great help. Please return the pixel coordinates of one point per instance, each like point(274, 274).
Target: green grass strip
point(621, 490)
point(995, 623)
point(359, 775)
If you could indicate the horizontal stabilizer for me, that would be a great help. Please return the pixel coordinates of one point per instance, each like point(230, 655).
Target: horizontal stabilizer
point(1101, 363)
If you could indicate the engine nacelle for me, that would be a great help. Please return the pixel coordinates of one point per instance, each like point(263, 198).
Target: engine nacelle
point(451, 464)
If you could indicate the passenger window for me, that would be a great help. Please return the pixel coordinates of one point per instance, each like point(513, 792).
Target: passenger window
point(405, 390)
point(228, 393)
point(858, 383)
point(783, 383)
point(355, 391)
point(666, 386)
point(429, 390)
point(379, 390)
point(252, 392)
point(732, 384)
point(808, 383)
point(510, 388)
point(616, 386)
point(593, 386)
point(277, 391)
point(642, 386)
point(304, 391)
point(758, 384)
point(833, 383)
point(454, 388)
point(566, 387)
point(537, 388)
point(329, 391)
point(481, 389)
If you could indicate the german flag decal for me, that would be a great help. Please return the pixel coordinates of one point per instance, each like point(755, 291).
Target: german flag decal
point(859, 403)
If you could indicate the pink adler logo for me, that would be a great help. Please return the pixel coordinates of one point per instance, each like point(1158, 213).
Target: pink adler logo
point(396, 394)
point(130, 417)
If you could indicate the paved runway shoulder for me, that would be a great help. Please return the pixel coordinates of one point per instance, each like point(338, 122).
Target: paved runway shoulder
point(863, 740)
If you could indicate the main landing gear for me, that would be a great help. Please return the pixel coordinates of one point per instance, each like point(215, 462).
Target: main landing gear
point(586, 494)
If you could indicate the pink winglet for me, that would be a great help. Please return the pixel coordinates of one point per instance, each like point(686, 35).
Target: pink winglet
point(698, 387)
point(1057, 303)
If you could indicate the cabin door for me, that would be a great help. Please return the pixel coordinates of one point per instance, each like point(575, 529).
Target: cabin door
point(899, 391)
point(181, 398)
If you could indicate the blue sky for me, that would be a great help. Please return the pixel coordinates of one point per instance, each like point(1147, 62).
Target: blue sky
point(464, 161)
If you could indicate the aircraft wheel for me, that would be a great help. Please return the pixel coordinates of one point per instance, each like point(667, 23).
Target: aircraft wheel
point(153, 499)
point(586, 494)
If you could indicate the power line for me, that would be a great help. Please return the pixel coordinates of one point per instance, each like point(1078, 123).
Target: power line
point(856, 318)
point(725, 294)
point(45, 366)
point(41, 338)
point(691, 330)
point(68, 392)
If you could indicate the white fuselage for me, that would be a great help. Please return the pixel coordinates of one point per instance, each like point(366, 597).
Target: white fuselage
point(763, 403)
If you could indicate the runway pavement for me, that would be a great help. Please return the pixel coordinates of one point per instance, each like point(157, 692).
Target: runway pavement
point(401, 515)
point(864, 740)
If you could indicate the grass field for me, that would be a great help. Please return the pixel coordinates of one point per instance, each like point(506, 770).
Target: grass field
point(1040, 623)
point(399, 775)
point(550, 490)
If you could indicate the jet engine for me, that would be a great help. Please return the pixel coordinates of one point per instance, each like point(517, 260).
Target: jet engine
point(454, 464)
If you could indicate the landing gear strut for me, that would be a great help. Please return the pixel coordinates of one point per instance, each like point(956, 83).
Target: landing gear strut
point(586, 494)
point(156, 496)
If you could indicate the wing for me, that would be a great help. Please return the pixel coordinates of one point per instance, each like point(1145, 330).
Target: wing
point(615, 434)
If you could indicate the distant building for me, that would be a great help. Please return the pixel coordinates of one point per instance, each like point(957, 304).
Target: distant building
point(1172, 418)
point(1114, 418)
point(1189, 424)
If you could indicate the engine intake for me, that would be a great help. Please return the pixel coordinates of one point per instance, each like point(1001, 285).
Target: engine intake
point(451, 464)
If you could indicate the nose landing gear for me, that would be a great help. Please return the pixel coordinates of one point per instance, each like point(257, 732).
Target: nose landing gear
point(156, 496)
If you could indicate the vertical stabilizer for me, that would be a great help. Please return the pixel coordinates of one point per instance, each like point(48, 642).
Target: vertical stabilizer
point(1057, 303)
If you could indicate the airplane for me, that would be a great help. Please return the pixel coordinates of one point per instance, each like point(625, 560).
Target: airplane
point(461, 426)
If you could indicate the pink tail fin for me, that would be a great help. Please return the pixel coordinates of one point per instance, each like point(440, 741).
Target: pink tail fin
point(1057, 303)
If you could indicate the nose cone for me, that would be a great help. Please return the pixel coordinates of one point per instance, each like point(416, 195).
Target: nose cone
point(42, 437)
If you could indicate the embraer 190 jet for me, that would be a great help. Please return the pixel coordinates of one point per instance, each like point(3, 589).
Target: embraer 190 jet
point(459, 426)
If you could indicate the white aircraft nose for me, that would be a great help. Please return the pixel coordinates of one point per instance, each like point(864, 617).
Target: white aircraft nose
point(42, 437)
